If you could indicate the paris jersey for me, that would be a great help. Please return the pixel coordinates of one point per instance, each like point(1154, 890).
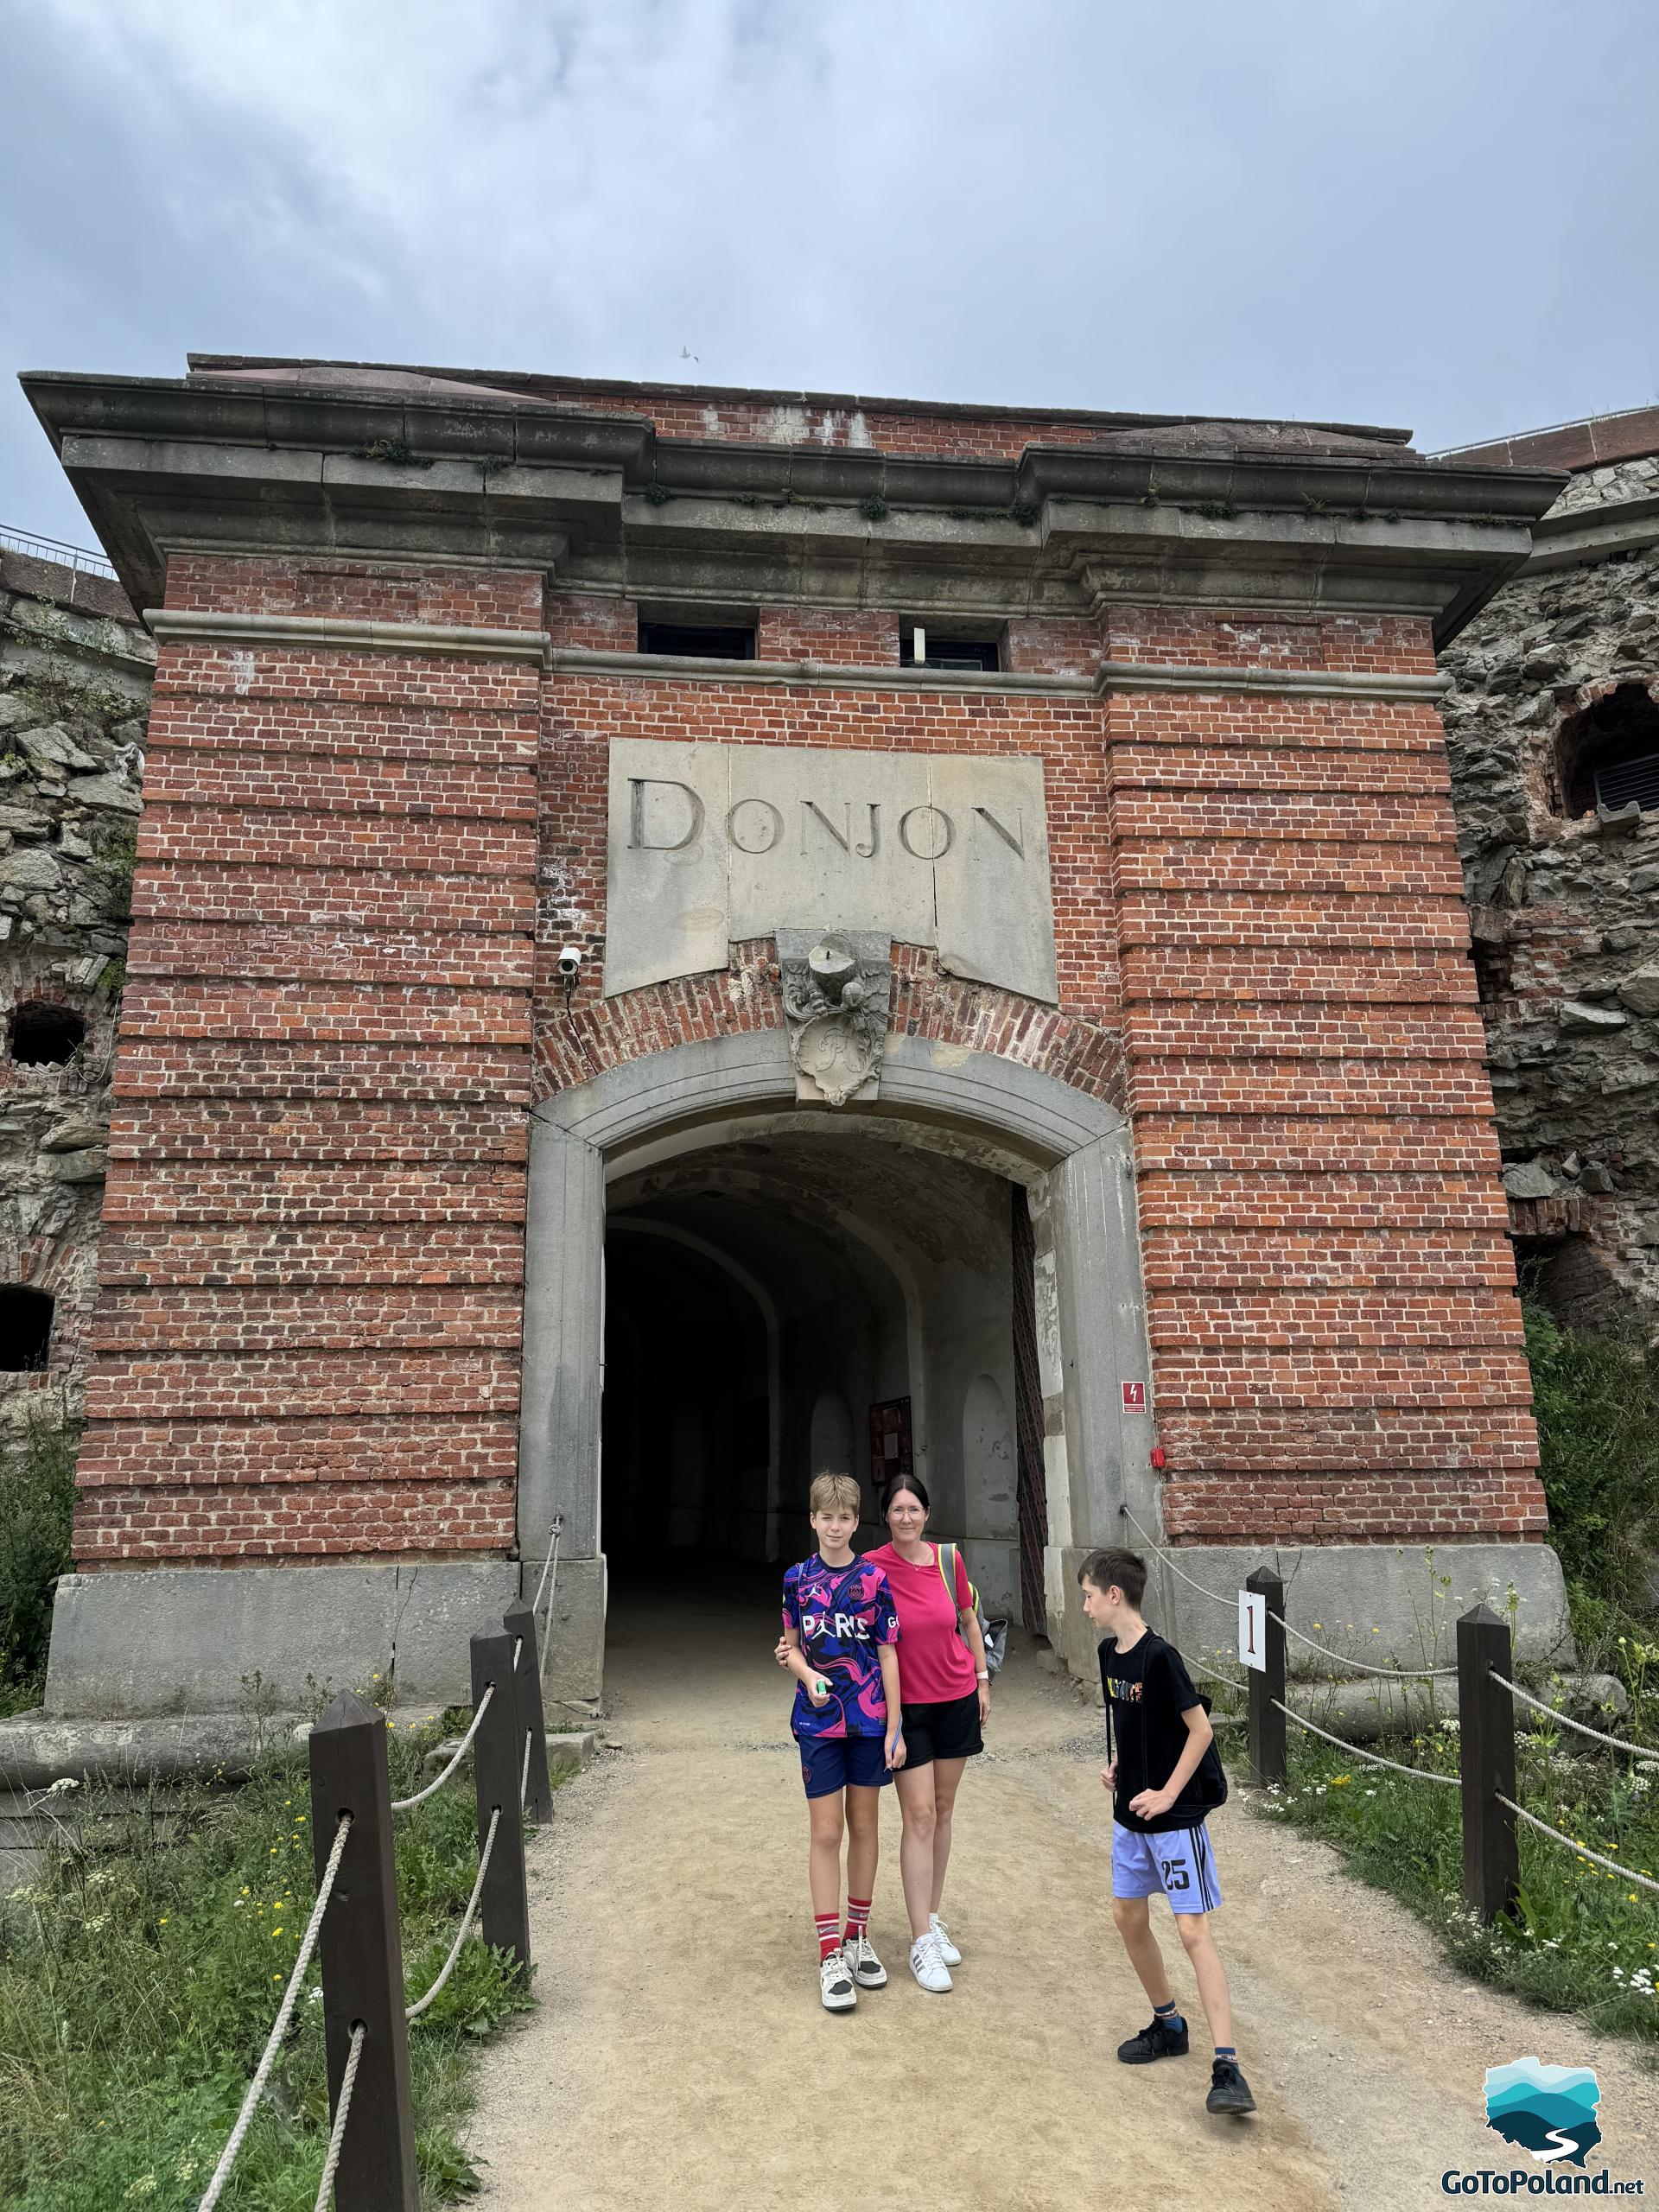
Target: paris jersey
point(842, 1615)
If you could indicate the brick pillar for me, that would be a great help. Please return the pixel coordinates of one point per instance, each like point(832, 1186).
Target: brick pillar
point(308, 1329)
point(1336, 1342)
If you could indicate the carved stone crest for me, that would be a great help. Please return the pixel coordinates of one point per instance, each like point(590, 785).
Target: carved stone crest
point(837, 988)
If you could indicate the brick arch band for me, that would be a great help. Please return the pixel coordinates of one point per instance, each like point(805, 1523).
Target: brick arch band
point(1071, 1151)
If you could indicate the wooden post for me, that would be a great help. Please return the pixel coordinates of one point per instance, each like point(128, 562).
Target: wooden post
point(520, 1624)
point(1492, 1851)
point(1267, 1683)
point(361, 1952)
point(498, 1761)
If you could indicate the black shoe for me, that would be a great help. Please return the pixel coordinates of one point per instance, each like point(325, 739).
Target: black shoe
point(1228, 2090)
point(1157, 2041)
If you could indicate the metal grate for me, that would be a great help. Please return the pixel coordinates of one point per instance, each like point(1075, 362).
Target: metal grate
point(1030, 1495)
point(1621, 781)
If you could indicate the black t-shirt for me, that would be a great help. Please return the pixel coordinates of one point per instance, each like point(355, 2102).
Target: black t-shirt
point(1147, 1689)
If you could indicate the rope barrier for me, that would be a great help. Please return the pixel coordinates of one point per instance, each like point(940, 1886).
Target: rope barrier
point(1394, 1673)
point(523, 1771)
point(284, 2013)
point(1371, 1758)
point(414, 2011)
point(518, 1649)
point(1583, 1850)
point(1215, 1598)
point(1618, 1743)
point(1398, 1673)
point(337, 2133)
point(408, 1804)
point(1226, 1681)
point(549, 1564)
point(550, 1580)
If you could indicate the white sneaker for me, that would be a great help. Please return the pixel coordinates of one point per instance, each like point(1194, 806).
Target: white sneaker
point(948, 1950)
point(926, 1964)
point(868, 1970)
point(836, 1984)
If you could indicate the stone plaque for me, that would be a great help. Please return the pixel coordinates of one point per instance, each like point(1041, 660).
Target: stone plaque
point(711, 842)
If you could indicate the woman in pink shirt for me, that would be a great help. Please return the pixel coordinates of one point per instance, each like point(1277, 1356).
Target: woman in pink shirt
point(945, 1689)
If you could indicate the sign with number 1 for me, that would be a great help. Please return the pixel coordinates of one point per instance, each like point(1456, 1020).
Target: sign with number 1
point(1252, 1628)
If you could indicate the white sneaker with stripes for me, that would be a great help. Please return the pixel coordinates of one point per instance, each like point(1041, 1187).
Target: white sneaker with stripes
point(927, 1965)
point(948, 1950)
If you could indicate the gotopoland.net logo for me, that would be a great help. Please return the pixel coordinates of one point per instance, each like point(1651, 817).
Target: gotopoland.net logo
point(1550, 2112)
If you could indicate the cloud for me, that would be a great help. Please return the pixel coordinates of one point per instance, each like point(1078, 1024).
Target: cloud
point(1390, 211)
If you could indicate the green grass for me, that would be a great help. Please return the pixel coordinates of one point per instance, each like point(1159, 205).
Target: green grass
point(1583, 1940)
point(37, 1495)
point(141, 1971)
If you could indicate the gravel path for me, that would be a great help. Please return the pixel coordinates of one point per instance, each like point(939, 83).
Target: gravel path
point(679, 2055)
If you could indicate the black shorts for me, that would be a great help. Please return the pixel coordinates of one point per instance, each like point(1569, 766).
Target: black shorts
point(949, 1730)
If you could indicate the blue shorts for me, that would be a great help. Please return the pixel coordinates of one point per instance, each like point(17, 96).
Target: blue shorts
point(1174, 1863)
point(830, 1763)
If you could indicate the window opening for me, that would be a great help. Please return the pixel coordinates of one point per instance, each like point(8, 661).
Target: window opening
point(701, 641)
point(44, 1036)
point(921, 648)
point(25, 1329)
point(1609, 754)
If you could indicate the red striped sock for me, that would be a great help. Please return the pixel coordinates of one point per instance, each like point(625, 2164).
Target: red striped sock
point(858, 1916)
point(826, 1924)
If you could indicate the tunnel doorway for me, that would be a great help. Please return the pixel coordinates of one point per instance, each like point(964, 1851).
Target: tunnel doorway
point(817, 1296)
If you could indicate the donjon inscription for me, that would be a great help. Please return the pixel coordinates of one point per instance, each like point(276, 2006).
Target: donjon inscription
point(709, 844)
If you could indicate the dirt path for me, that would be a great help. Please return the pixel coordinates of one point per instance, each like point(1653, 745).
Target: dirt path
point(680, 2057)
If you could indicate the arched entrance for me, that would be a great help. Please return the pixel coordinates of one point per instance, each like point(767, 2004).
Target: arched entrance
point(809, 1293)
point(727, 1288)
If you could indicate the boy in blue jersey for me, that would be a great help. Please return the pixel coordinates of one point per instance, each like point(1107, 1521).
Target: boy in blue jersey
point(841, 1628)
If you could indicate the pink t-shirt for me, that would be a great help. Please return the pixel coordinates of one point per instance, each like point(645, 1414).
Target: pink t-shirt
point(934, 1663)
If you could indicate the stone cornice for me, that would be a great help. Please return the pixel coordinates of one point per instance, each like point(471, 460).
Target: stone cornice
point(1587, 534)
point(296, 630)
point(296, 470)
point(184, 626)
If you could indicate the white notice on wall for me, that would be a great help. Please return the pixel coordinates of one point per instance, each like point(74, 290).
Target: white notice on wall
point(1252, 1628)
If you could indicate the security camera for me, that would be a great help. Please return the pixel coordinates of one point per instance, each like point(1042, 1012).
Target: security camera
point(569, 962)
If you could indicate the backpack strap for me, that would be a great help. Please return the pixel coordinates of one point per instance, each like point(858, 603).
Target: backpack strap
point(946, 1556)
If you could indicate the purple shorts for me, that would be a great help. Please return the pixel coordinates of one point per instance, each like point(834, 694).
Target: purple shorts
point(1174, 1863)
point(830, 1763)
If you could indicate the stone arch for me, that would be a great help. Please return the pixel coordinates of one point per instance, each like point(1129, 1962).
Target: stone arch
point(1070, 1150)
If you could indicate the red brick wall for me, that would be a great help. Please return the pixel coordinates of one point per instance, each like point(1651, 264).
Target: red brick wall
point(308, 1327)
point(314, 1225)
point(1263, 958)
point(1336, 1342)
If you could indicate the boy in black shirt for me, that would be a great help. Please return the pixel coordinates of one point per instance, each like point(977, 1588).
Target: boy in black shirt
point(1164, 1775)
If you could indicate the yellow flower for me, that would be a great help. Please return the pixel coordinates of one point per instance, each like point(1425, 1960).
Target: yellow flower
point(1338, 1780)
point(276, 1931)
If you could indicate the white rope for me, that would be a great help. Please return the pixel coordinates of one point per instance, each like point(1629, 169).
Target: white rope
point(1583, 1850)
point(1618, 1743)
point(518, 1649)
point(337, 2133)
point(1371, 1758)
point(1401, 1674)
point(523, 1771)
point(1226, 1681)
point(407, 1805)
point(549, 1564)
point(1393, 1674)
point(550, 1578)
point(284, 2013)
point(414, 2011)
point(1215, 1597)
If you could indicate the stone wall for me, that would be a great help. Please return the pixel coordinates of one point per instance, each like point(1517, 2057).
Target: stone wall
point(1565, 907)
point(75, 670)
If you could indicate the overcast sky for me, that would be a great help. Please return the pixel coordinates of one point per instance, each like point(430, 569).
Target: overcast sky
point(1435, 213)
